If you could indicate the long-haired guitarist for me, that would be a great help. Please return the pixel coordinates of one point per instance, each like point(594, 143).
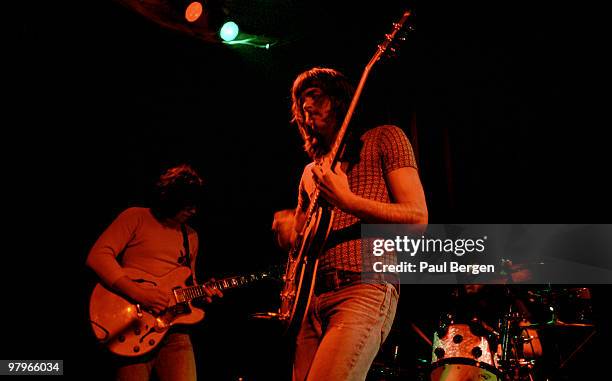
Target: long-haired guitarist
point(154, 240)
point(376, 181)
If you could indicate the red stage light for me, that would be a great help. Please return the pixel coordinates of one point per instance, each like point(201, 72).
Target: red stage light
point(193, 11)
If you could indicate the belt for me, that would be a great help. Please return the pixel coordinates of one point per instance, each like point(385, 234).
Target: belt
point(331, 280)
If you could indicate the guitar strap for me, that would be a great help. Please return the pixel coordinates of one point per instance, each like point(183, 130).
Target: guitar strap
point(185, 260)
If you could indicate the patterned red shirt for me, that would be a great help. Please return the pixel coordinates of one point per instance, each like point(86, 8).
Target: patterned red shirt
point(384, 149)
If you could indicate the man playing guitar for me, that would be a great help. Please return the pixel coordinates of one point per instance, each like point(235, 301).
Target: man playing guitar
point(375, 181)
point(156, 241)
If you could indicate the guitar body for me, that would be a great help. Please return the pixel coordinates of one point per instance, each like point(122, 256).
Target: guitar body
point(128, 330)
point(301, 271)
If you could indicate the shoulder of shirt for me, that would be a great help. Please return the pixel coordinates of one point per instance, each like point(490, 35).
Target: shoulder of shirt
point(385, 128)
point(135, 211)
point(133, 216)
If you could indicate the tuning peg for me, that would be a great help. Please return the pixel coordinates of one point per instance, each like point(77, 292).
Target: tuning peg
point(391, 53)
point(403, 36)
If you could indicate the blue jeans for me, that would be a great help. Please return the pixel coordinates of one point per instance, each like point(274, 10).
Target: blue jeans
point(343, 331)
point(173, 361)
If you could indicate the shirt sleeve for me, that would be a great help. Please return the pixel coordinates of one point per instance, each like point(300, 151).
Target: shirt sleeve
point(395, 149)
point(111, 243)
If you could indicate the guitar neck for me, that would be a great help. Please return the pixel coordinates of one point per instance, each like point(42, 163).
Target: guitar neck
point(336, 149)
point(188, 294)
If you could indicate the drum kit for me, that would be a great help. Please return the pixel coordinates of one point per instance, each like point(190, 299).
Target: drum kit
point(514, 348)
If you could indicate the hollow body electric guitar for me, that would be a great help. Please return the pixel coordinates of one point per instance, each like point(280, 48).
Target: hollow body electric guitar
point(127, 329)
point(301, 267)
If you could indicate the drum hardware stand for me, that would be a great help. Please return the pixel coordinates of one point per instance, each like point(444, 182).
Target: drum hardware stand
point(505, 333)
point(582, 344)
point(513, 367)
point(420, 333)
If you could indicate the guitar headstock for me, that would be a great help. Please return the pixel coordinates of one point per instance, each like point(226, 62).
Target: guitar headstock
point(398, 34)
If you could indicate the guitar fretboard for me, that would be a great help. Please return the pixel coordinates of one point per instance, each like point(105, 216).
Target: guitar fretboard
point(188, 294)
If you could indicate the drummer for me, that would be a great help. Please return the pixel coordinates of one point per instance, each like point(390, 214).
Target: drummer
point(487, 304)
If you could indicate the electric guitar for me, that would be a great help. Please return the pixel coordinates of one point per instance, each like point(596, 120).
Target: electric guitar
point(127, 329)
point(302, 263)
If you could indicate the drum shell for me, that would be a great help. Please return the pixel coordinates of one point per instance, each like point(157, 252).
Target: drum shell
point(461, 355)
point(460, 369)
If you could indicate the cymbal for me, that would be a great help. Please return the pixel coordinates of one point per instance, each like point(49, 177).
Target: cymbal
point(266, 315)
point(555, 323)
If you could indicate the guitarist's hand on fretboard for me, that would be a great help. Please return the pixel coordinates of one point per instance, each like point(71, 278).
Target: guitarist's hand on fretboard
point(334, 186)
point(211, 292)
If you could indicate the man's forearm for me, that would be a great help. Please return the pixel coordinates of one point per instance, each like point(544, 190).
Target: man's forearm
point(125, 286)
point(371, 211)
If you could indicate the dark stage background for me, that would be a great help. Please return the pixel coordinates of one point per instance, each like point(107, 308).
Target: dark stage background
point(105, 99)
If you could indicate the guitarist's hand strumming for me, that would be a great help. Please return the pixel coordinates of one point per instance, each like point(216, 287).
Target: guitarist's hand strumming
point(148, 296)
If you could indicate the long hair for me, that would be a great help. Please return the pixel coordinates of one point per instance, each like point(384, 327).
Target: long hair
point(177, 188)
point(335, 85)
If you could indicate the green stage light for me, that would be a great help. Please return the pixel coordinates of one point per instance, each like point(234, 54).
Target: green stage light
point(229, 31)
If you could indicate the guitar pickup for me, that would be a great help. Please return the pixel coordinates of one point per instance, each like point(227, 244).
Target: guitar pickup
point(181, 308)
point(178, 297)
